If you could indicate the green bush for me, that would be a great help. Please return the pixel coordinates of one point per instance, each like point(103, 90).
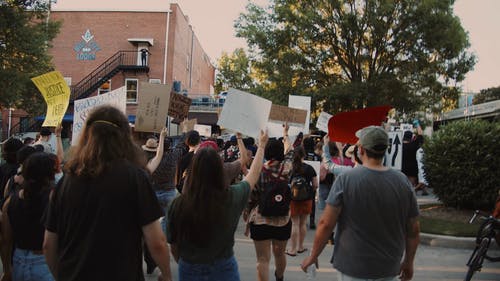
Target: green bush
point(462, 164)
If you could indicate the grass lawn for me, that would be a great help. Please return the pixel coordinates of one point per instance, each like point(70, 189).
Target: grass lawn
point(437, 219)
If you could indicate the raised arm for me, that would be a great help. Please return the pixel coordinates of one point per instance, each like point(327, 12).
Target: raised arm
point(243, 151)
point(59, 145)
point(155, 161)
point(254, 173)
point(335, 169)
point(286, 140)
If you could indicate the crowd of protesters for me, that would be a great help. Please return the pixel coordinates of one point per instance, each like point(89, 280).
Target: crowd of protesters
point(108, 202)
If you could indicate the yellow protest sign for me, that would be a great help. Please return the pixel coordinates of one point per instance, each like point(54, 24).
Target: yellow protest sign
point(56, 93)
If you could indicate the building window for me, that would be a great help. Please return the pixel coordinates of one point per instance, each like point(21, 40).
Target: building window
point(131, 86)
point(154, 81)
point(67, 80)
point(106, 87)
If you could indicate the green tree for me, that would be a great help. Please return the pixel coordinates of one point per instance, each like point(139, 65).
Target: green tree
point(351, 53)
point(25, 36)
point(233, 71)
point(486, 95)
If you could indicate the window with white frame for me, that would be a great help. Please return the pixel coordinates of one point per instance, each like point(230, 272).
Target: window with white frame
point(131, 86)
point(105, 87)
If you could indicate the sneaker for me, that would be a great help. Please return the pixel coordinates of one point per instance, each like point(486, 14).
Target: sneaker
point(278, 279)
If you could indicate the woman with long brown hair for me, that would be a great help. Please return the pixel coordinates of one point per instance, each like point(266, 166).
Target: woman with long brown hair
point(103, 207)
point(202, 221)
point(299, 210)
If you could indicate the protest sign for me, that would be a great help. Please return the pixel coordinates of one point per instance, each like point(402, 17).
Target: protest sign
point(116, 98)
point(322, 123)
point(301, 102)
point(179, 106)
point(287, 114)
point(204, 130)
point(244, 113)
point(394, 154)
point(188, 125)
point(55, 92)
point(275, 130)
point(406, 127)
point(342, 127)
point(316, 165)
point(153, 101)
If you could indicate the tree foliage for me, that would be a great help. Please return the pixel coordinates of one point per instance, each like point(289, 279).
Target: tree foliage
point(352, 53)
point(25, 36)
point(233, 71)
point(487, 95)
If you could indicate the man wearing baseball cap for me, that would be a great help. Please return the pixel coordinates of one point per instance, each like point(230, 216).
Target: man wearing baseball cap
point(376, 214)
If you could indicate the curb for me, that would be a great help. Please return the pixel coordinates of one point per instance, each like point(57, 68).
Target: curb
point(452, 241)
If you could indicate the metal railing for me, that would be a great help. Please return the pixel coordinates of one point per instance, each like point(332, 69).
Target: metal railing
point(121, 60)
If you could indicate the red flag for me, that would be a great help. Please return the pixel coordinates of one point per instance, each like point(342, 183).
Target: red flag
point(343, 126)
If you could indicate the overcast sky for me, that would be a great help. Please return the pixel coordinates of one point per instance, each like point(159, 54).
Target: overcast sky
point(213, 21)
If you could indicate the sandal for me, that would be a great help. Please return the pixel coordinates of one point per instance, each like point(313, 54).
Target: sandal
point(301, 251)
point(290, 254)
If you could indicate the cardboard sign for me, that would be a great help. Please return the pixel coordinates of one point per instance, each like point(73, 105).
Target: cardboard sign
point(82, 108)
point(55, 92)
point(153, 101)
point(301, 102)
point(287, 114)
point(245, 113)
point(322, 123)
point(275, 130)
point(394, 154)
point(204, 130)
point(406, 127)
point(316, 165)
point(179, 106)
point(188, 125)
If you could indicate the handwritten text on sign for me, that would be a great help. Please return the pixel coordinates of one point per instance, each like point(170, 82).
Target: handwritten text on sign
point(287, 114)
point(153, 105)
point(83, 107)
point(179, 106)
point(56, 93)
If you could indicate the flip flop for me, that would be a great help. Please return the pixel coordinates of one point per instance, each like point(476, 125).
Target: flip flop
point(301, 251)
point(290, 254)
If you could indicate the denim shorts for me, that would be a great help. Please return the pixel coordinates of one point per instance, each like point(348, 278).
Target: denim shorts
point(220, 270)
point(165, 197)
point(342, 277)
point(28, 266)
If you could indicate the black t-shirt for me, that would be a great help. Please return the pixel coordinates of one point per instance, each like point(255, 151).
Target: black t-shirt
point(183, 166)
point(98, 223)
point(409, 163)
point(25, 218)
point(308, 173)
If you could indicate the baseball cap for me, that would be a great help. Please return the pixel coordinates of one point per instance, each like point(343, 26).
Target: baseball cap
point(373, 138)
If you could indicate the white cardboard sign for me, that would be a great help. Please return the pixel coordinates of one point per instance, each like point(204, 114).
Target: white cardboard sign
point(116, 98)
point(301, 102)
point(204, 130)
point(394, 155)
point(322, 123)
point(244, 113)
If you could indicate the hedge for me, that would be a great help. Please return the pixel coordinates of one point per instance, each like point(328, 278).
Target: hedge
point(462, 164)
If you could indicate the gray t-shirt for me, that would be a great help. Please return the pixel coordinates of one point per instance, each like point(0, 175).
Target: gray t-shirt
point(371, 229)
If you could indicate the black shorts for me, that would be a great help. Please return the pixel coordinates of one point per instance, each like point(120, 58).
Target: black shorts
point(260, 232)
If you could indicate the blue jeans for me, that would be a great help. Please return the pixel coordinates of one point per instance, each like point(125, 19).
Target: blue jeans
point(165, 197)
point(324, 190)
point(342, 277)
point(219, 270)
point(27, 266)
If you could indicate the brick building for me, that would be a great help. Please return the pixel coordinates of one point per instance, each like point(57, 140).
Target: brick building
point(100, 48)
